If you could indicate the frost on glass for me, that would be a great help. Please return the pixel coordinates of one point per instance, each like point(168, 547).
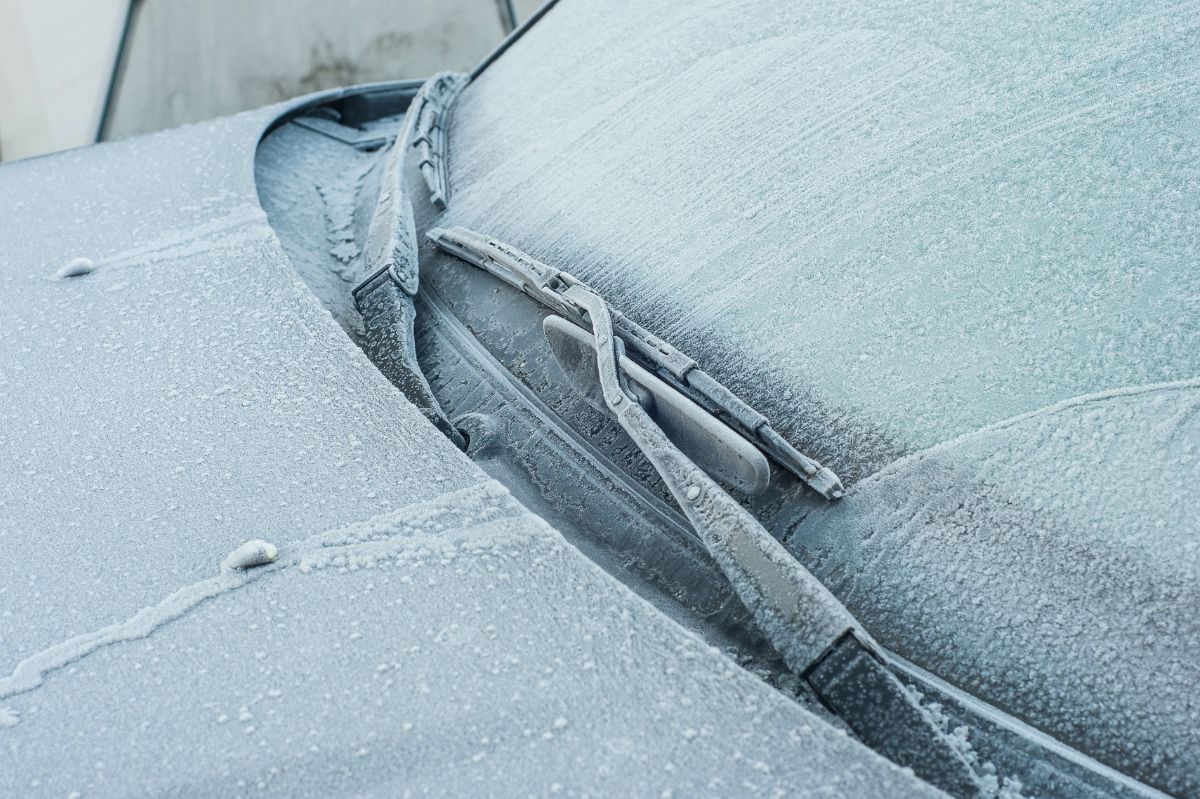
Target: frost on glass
point(1048, 562)
point(888, 226)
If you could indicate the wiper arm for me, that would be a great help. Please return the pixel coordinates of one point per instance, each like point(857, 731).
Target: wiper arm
point(561, 291)
point(818, 638)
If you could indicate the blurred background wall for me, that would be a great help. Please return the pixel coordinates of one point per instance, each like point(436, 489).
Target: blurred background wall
point(73, 71)
point(55, 60)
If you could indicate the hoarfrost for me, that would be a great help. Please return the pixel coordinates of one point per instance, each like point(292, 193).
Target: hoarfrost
point(359, 545)
point(31, 671)
point(453, 542)
point(983, 773)
point(1064, 545)
point(989, 211)
point(162, 469)
point(966, 215)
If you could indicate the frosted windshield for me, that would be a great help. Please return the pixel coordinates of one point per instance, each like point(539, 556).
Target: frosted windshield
point(896, 221)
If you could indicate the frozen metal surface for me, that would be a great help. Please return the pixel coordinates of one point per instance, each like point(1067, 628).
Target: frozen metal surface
point(417, 630)
point(715, 448)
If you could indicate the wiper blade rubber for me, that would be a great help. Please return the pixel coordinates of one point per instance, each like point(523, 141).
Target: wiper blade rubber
point(431, 110)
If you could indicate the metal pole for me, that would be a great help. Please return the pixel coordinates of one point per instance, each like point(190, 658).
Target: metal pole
point(508, 16)
point(512, 37)
point(118, 67)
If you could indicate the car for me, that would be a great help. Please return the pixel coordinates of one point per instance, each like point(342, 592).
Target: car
point(694, 399)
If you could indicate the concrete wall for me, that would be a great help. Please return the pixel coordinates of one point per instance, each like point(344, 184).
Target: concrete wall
point(188, 60)
point(55, 61)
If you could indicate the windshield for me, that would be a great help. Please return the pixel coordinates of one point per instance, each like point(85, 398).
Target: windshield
point(889, 226)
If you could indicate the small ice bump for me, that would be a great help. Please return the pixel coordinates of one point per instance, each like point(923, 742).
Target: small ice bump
point(76, 267)
point(9, 717)
point(250, 554)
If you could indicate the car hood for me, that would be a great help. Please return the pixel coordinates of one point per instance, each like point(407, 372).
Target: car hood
point(420, 630)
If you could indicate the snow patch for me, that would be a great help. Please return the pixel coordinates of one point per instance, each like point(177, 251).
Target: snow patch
point(76, 267)
point(30, 672)
point(340, 198)
point(255, 552)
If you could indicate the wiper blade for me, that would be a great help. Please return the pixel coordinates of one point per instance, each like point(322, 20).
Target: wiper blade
point(431, 110)
point(561, 291)
point(385, 297)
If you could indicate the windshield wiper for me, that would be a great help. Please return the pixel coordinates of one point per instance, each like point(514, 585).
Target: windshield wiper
point(431, 110)
point(557, 290)
point(818, 638)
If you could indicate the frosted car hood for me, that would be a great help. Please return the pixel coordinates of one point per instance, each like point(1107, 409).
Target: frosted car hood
point(887, 226)
point(420, 630)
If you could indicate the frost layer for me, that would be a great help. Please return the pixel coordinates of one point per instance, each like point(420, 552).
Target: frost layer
point(420, 631)
point(887, 225)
